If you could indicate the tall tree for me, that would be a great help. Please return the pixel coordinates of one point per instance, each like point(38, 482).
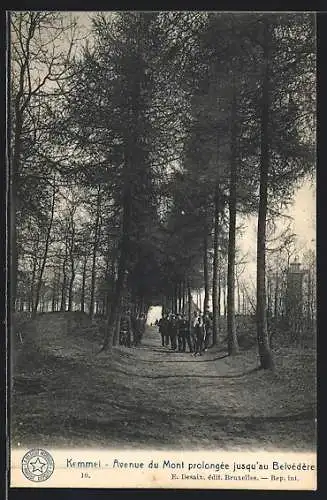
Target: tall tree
point(38, 65)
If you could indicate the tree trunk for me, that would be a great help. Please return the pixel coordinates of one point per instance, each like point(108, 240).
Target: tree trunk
point(64, 278)
point(276, 297)
point(71, 286)
point(46, 248)
point(14, 176)
point(189, 306)
point(72, 265)
point(215, 273)
point(219, 293)
point(180, 296)
point(122, 268)
point(94, 252)
point(225, 300)
point(175, 299)
point(116, 332)
point(54, 293)
point(266, 359)
point(83, 284)
point(239, 307)
point(31, 300)
point(205, 270)
point(233, 347)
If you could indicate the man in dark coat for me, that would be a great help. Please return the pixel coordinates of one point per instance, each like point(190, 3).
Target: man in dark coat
point(184, 334)
point(199, 336)
point(125, 333)
point(208, 323)
point(172, 329)
point(163, 330)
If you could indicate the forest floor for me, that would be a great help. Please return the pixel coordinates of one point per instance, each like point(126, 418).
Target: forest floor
point(66, 394)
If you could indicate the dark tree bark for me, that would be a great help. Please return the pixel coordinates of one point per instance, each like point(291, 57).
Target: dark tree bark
point(83, 284)
point(205, 270)
point(32, 291)
point(20, 104)
point(71, 285)
point(238, 295)
point(54, 292)
point(276, 312)
point(46, 249)
point(64, 276)
point(122, 268)
point(233, 347)
point(94, 251)
point(180, 296)
point(225, 300)
point(189, 306)
point(215, 275)
point(116, 332)
point(266, 359)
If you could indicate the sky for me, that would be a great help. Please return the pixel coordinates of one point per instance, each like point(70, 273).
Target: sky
point(303, 213)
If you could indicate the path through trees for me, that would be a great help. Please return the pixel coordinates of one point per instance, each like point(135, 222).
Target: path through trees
point(149, 396)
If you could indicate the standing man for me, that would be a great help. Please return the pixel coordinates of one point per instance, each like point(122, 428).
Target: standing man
point(193, 330)
point(208, 323)
point(180, 334)
point(184, 335)
point(125, 333)
point(173, 327)
point(199, 336)
point(163, 325)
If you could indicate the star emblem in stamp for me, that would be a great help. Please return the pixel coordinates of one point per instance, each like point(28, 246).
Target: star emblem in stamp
point(37, 465)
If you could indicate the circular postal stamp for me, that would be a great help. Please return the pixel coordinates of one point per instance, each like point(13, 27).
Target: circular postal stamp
point(37, 465)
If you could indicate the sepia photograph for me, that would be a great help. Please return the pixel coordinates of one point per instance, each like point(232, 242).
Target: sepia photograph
point(162, 169)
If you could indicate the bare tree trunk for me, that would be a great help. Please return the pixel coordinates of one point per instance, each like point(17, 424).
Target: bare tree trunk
point(32, 291)
point(94, 252)
point(64, 277)
point(205, 270)
point(183, 296)
point(181, 292)
point(72, 262)
point(116, 332)
point(266, 359)
point(122, 267)
point(46, 249)
point(71, 285)
point(54, 292)
point(219, 293)
point(276, 312)
point(238, 295)
point(189, 306)
point(233, 347)
point(175, 299)
point(225, 300)
point(14, 176)
point(215, 273)
point(83, 284)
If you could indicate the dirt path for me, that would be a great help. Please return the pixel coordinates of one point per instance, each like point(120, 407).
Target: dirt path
point(151, 396)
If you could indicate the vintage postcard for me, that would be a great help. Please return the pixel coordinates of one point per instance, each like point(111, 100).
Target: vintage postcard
point(162, 324)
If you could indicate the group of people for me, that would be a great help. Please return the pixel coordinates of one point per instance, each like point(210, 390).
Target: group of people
point(178, 333)
point(131, 329)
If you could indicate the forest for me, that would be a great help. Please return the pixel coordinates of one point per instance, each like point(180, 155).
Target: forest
point(137, 147)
